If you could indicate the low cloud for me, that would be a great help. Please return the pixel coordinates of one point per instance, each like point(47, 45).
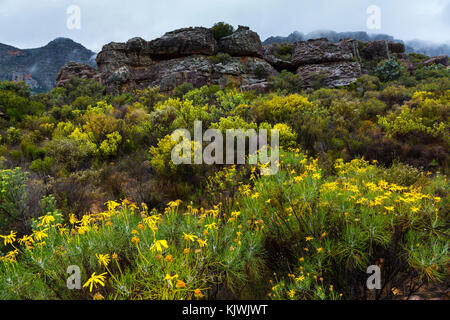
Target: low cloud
point(32, 23)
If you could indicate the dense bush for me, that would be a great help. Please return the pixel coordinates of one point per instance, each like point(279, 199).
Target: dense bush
point(388, 70)
point(287, 82)
point(221, 30)
point(307, 232)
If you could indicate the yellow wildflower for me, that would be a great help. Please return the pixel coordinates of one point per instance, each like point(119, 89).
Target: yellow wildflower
point(189, 237)
point(169, 279)
point(103, 259)
point(180, 284)
point(94, 280)
point(9, 239)
point(202, 243)
point(198, 294)
point(159, 245)
point(135, 240)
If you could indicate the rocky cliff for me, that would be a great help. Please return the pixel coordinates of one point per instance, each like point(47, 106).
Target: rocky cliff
point(416, 46)
point(39, 67)
point(193, 55)
point(185, 55)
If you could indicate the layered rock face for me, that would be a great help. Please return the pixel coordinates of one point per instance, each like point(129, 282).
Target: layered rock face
point(336, 63)
point(243, 42)
point(81, 70)
point(193, 55)
point(185, 55)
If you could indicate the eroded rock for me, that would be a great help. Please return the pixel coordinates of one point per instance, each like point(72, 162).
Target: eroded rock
point(78, 69)
point(331, 74)
point(183, 42)
point(243, 42)
point(437, 60)
point(323, 51)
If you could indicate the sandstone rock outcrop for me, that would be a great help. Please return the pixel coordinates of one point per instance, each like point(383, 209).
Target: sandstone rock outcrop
point(396, 47)
point(185, 55)
point(272, 55)
point(437, 60)
point(375, 50)
point(243, 42)
point(334, 74)
point(198, 70)
point(81, 70)
point(323, 51)
point(182, 43)
point(193, 55)
point(332, 64)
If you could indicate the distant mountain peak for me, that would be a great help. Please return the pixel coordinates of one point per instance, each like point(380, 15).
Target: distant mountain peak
point(61, 40)
point(419, 46)
point(39, 67)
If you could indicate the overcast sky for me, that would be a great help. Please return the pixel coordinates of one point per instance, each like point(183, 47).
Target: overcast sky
point(33, 23)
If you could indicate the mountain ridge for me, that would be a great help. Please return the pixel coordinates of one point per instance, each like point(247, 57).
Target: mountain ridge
point(39, 67)
point(412, 46)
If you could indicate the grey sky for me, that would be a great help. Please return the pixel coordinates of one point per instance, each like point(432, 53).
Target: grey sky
point(33, 23)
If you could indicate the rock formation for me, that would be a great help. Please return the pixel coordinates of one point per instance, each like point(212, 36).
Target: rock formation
point(185, 55)
point(81, 70)
point(193, 55)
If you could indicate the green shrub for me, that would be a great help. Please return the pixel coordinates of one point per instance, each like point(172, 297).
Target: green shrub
point(260, 72)
point(221, 30)
point(13, 208)
point(13, 135)
point(388, 70)
point(433, 71)
point(318, 80)
point(223, 58)
point(417, 57)
point(42, 165)
point(182, 89)
point(287, 81)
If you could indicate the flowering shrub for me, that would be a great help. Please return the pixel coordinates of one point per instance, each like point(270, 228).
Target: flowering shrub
point(279, 109)
point(128, 252)
point(351, 221)
point(12, 197)
point(308, 232)
point(110, 146)
point(317, 234)
point(428, 116)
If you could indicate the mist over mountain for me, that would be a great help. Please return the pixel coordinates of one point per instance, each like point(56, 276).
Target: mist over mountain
point(416, 46)
point(39, 67)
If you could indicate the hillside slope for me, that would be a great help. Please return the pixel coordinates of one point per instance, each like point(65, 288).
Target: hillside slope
point(39, 67)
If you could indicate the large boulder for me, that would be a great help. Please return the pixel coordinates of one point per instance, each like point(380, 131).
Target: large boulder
point(323, 51)
point(134, 53)
point(246, 73)
point(396, 47)
point(375, 50)
point(243, 42)
point(333, 74)
point(76, 69)
point(183, 42)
